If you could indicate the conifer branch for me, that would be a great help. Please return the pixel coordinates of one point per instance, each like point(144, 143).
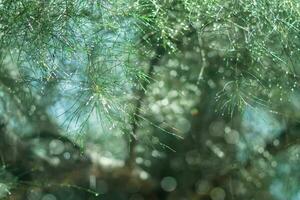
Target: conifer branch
point(141, 94)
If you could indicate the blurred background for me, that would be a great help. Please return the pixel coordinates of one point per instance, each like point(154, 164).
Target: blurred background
point(149, 100)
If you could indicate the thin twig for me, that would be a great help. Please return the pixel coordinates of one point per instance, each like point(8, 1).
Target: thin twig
point(159, 52)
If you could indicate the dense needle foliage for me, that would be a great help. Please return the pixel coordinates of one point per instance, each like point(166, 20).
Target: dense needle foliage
point(192, 99)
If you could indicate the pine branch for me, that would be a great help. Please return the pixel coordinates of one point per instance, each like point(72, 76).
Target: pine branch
point(159, 53)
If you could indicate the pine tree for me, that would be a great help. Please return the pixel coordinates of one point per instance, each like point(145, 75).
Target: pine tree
point(143, 73)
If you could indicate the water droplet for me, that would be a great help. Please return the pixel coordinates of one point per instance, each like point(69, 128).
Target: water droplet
point(168, 184)
point(56, 147)
point(49, 197)
point(217, 194)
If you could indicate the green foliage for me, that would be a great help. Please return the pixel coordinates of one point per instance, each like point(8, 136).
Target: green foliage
point(80, 69)
point(78, 54)
point(86, 52)
point(256, 40)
